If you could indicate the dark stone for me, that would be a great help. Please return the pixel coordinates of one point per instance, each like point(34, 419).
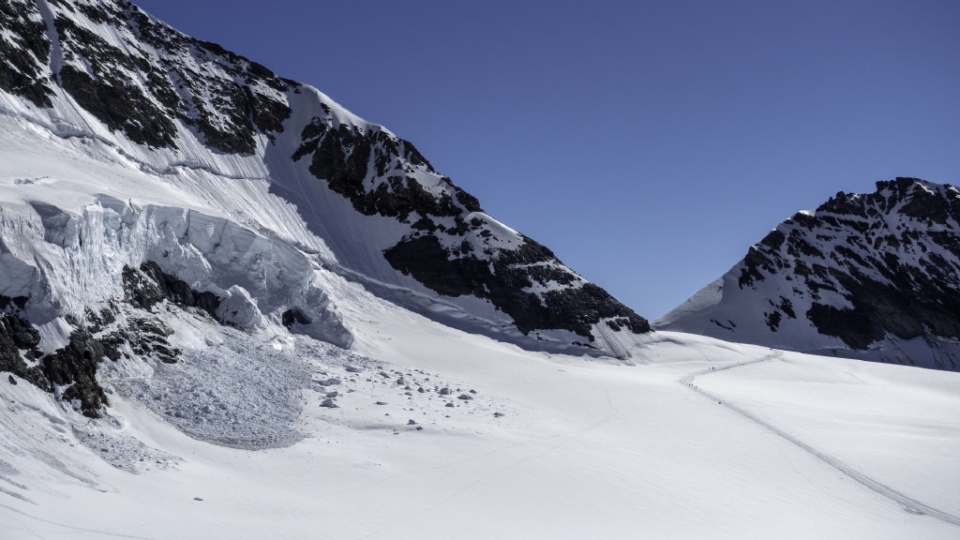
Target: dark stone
point(75, 366)
point(852, 326)
point(774, 240)
point(574, 309)
point(227, 112)
point(340, 157)
point(151, 285)
point(25, 54)
point(773, 320)
point(787, 306)
point(754, 260)
point(902, 281)
point(293, 315)
point(16, 336)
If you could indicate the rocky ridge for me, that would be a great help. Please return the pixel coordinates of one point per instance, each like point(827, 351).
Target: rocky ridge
point(138, 93)
point(873, 276)
point(168, 93)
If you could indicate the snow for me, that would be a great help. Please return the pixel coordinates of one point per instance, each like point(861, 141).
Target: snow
point(693, 438)
point(584, 447)
point(848, 245)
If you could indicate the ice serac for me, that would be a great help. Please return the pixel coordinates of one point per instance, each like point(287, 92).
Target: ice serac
point(146, 172)
point(872, 276)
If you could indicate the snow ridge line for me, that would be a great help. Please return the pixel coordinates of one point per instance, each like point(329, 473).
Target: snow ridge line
point(910, 505)
point(67, 131)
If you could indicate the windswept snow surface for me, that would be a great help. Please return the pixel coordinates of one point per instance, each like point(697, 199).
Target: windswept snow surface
point(581, 448)
point(306, 406)
point(263, 433)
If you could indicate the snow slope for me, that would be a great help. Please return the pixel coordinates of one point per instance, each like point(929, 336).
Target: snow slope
point(870, 276)
point(582, 449)
point(232, 309)
point(214, 130)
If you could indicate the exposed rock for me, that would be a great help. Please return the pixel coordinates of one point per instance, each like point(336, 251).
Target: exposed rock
point(295, 315)
point(340, 156)
point(18, 339)
point(143, 84)
point(864, 268)
point(329, 404)
point(25, 50)
point(504, 279)
point(159, 286)
point(74, 367)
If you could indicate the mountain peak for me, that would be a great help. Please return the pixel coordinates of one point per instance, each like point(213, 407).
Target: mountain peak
point(188, 138)
point(871, 275)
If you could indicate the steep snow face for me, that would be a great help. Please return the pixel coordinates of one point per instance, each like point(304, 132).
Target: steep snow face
point(66, 264)
point(871, 276)
point(81, 287)
point(206, 122)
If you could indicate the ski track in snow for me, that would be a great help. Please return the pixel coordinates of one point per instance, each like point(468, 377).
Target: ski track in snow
point(565, 438)
point(910, 505)
point(102, 533)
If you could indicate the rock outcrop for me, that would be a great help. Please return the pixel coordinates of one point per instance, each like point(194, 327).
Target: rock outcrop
point(873, 276)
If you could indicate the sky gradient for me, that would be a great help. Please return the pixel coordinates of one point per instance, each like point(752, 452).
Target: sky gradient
point(648, 144)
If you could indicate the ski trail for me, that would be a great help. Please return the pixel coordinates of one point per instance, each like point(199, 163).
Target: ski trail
point(910, 505)
point(564, 439)
point(69, 529)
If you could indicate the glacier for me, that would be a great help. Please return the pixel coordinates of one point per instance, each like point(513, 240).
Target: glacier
point(234, 309)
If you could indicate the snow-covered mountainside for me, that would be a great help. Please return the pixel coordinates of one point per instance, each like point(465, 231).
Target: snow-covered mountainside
point(237, 185)
point(231, 309)
point(871, 276)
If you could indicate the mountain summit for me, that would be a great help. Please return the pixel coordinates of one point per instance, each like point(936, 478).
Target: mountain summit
point(872, 276)
point(199, 258)
point(209, 124)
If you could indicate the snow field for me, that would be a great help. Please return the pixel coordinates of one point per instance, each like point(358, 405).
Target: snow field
point(241, 445)
point(584, 447)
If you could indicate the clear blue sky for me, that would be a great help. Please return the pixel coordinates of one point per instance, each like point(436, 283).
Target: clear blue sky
point(649, 144)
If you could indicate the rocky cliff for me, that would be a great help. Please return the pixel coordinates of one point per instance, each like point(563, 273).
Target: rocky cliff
point(874, 276)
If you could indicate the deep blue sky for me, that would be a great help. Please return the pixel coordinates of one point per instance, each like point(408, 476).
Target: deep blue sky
point(649, 144)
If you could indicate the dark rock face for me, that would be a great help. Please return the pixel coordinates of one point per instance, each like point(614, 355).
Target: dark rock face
point(152, 84)
point(294, 315)
point(893, 255)
point(141, 88)
point(25, 53)
point(18, 337)
point(503, 279)
point(75, 367)
point(151, 285)
point(341, 156)
point(72, 370)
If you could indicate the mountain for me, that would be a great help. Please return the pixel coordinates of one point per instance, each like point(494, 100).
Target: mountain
point(229, 308)
point(871, 276)
point(238, 183)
